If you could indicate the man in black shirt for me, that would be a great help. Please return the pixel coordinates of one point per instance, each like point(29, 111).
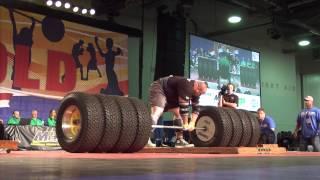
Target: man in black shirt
point(229, 99)
point(174, 94)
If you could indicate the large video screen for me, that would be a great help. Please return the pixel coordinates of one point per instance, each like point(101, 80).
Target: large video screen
point(218, 64)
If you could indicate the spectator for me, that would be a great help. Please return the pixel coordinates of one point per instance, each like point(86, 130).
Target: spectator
point(308, 121)
point(52, 118)
point(265, 121)
point(35, 121)
point(229, 99)
point(267, 124)
point(15, 118)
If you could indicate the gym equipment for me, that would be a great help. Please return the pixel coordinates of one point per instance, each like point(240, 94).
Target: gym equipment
point(176, 127)
point(105, 123)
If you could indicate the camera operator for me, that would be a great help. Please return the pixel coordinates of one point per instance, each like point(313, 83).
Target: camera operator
point(227, 98)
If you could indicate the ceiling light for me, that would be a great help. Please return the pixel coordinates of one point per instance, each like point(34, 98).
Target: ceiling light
point(67, 5)
point(92, 12)
point(84, 11)
point(234, 19)
point(49, 3)
point(304, 43)
point(75, 9)
point(58, 3)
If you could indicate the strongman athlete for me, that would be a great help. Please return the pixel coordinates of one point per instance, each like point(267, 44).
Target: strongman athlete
point(174, 94)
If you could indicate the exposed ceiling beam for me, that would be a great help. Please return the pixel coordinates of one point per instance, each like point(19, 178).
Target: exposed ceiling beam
point(242, 28)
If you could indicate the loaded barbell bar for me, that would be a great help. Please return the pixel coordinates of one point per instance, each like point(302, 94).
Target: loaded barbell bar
point(176, 127)
point(154, 126)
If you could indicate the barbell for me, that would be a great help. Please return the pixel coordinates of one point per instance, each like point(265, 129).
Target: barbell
point(153, 126)
point(176, 127)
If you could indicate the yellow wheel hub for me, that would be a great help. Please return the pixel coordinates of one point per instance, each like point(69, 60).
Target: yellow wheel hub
point(71, 122)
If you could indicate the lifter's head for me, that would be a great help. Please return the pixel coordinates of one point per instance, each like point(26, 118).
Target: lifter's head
point(199, 88)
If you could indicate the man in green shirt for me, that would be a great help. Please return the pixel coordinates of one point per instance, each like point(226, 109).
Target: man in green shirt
point(15, 118)
point(35, 121)
point(52, 118)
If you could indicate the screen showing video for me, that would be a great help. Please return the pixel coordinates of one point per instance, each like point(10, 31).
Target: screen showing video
point(218, 64)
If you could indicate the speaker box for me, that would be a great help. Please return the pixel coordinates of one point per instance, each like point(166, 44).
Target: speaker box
point(171, 42)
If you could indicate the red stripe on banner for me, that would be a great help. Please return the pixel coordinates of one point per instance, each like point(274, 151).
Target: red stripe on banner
point(5, 96)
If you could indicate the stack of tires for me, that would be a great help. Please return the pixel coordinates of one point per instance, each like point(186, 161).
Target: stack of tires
point(102, 123)
point(226, 127)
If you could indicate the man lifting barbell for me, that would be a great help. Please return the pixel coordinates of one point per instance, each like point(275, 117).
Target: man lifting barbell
point(174, 94)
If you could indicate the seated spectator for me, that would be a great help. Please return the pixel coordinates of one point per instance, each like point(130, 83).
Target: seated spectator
point(52, 118)
point(35, 121)
point(15, 118)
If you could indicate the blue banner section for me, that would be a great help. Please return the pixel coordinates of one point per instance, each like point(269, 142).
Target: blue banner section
point(25, 104)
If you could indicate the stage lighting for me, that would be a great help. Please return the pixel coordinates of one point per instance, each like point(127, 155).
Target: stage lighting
point(234, 19)
point(75, 9)
point(49, 3)
point(67, 5)
point(58, 3)
point(92, 12)
point(304, 43)
point(84, 11)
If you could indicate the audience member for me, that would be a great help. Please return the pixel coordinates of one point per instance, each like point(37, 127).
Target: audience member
point(35, 121)
point(15, 118)
point(52, 118)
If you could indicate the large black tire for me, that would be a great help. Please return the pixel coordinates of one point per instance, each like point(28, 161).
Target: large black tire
point(112, 118)
point(220, 128)
point(247, 128)
point(255, 135)
point(143, 126)
point(129, 125)
point(237, 127)
point(91, 123)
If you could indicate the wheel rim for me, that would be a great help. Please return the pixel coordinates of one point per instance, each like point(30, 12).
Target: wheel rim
point(209, 131)
point(71, 123)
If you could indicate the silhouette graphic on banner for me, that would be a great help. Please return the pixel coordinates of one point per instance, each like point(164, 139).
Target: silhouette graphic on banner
point(24, 37)
point(52, 28)
point(77, 50)
point(92, 64)
point(109, 57)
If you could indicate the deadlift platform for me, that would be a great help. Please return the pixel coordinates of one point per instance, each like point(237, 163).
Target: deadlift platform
point(259, 149)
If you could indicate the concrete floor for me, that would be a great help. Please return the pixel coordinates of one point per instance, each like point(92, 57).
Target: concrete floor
point(61, 165)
